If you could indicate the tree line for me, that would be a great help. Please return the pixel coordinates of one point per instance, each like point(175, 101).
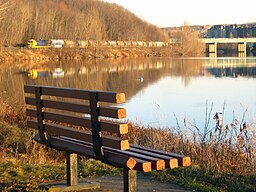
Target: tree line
point(69, 19)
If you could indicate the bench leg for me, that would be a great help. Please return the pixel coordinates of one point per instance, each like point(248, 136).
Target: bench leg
point(130, 180)
point(71, 168)
point(72, 178)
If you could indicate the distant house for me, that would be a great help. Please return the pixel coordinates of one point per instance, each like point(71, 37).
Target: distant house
point(232, 31)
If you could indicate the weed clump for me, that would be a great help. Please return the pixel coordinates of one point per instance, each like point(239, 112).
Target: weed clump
point(221, 155)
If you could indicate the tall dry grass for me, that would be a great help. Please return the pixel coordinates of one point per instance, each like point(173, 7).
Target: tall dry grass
point(16, 139)
point(223, 149)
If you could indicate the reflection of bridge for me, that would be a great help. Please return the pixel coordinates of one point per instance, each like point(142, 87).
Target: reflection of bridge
point(231, 67)
point(233, 72)
point(242, 42)
point(230, 62)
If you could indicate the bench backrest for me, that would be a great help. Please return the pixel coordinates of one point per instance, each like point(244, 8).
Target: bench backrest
point(82, 115)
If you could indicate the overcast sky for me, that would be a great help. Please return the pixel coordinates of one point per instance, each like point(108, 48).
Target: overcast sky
point(169, 13)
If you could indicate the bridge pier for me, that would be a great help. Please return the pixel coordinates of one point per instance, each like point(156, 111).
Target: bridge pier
point(213, 49)
point(241, 48)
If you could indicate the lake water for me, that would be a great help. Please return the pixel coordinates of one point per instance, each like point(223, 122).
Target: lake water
point(160, 92)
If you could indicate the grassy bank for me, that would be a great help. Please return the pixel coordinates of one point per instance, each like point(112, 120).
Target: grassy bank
point(223, 157)
point(208, 181)
point(17, 175)
point(24, 55)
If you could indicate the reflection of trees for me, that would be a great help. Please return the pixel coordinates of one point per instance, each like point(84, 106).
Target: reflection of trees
point(187, 68)
point(122, 75)
point(11, 86)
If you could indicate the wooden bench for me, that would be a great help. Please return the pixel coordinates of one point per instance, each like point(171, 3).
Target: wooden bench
point(88, 123)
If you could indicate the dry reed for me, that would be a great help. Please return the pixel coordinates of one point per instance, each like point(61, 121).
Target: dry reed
point(224, 149)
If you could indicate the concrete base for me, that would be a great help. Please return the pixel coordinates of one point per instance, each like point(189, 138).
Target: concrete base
point(62, 186)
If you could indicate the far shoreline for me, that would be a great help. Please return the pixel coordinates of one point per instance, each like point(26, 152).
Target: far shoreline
point(15, 54)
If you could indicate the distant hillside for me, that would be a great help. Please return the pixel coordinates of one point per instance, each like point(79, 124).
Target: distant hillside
point(200, 29)
point(72, 19)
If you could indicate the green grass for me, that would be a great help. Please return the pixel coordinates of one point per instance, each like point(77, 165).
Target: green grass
point(16, 176)
point(96, 168)
point(25, 177)
point(207, 181)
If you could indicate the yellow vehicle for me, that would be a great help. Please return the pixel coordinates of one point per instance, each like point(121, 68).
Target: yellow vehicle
point(41, 73)
point(35, 73)
point(32, 43)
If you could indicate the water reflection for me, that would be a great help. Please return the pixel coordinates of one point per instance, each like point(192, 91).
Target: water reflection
point(233, 72)
point(128, 76)
point(231, 67)
point(156, 89)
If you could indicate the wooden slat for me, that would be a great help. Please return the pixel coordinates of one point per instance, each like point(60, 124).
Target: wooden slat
point(63, 118)
point(170, 162)
point(104, 96)
point(87, 150)
point(141, 164)
point(112, 97)
point(109, 126)
point(67, 106)
point(182, 160)
point(71, 119)
point(31, 112)
point(59, 92)
point(111, 155)
point(86, 136)
point(156, 163)
point(29, 89)
point(32, 124)
point(145, 166)
point(112, 112)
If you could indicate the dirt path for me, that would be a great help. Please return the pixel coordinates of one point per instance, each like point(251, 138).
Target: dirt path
point(145, 184)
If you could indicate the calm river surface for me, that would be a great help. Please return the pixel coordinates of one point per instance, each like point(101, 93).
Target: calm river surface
point(159, 91)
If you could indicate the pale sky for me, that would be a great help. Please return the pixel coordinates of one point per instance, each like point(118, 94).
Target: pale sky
point(168, 13)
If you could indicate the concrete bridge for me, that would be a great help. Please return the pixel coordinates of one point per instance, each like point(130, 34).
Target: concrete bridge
point(241, 42)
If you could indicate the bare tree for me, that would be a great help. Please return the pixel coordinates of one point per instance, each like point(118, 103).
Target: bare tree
point(66, 19)
point(188, 43)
